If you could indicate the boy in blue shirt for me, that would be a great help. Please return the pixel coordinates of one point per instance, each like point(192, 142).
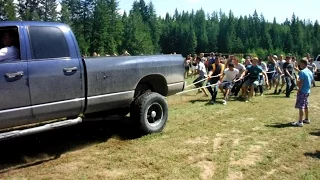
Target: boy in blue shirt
point(304, 85)
point(253, 72)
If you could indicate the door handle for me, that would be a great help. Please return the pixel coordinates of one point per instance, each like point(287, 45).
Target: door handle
point(69, 70)
point(14, 75)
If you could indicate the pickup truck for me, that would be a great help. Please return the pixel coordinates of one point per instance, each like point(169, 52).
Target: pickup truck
point(51, 85)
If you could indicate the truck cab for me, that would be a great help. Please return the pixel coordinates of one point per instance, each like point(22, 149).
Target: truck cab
point(46, 80)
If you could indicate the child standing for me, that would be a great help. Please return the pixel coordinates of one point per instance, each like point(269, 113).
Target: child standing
point(304, 85)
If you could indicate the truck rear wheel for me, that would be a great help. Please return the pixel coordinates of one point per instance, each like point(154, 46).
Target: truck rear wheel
point(151, 112)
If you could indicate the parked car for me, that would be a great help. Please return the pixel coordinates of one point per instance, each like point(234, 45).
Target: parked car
point(50, 80)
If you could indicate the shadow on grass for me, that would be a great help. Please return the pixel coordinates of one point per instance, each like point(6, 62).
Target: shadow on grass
point(315, 133)
point(271, 95)
point(315, 155)
point(279, 125)
point(43, 147)
point(198, 100)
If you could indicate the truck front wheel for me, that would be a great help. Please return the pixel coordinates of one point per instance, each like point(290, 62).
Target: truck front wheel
point(151, 112)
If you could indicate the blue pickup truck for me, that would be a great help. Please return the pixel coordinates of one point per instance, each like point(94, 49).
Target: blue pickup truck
point(50, 85)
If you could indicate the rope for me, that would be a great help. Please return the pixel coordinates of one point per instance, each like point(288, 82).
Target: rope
point(200, 81)
point(217, 84)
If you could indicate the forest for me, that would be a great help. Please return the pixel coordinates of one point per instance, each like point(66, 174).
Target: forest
point(99, 27)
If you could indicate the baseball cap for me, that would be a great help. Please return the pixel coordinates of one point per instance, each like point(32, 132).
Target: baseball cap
point(275, 56)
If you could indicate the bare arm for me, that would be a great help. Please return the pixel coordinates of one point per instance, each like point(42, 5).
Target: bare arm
point(279, 70)
point(299, 84)
point(243, 73)
point(221, 72)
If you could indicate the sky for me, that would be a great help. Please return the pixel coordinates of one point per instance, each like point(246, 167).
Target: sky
point(281, 9)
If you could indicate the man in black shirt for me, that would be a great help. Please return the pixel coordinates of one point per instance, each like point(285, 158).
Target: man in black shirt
point(288, 70)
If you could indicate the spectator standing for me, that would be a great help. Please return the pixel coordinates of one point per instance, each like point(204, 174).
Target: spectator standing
point(288, 70)
point(302, 102)
point(313, 68)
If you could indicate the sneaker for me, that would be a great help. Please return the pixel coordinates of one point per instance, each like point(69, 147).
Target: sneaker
point(212, 102)
point(306, 121)
point(224, 102)
point(298, 124)
point(279, 91)
point(275, 92)
point(261, 94)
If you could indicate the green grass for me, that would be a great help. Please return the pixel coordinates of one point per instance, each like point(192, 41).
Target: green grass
point(237, 141)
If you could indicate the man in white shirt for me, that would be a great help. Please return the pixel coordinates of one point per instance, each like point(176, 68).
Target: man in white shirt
point(9, 52)
point(280, 76)
point(202, 75)
point(241, 68)
point(228, 77)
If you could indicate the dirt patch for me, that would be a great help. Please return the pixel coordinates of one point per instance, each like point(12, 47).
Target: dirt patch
point(235, 175)
point(236, 131)
point(71, 166)
point(112, 173)
point(198, 140)
point(286, 169)
point(217, 143)
point(198, 157)
point(257, 128)
point(271, 172)
point(252, 156)
point(236, 142)
point(207, 168)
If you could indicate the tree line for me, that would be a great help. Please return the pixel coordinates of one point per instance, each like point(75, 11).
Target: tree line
point(99, 27)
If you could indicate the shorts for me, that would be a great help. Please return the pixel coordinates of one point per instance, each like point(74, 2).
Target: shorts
point(271, 76)
point(302, 101)
point(199, 84)
point(226, 85)
point(194, 67)
point(256, 83)
point(277, 76)
point(186, 68)
point(249, 82)
point(261, 80)
point(282, 78)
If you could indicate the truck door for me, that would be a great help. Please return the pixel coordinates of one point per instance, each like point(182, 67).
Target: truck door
point(15, 106)
point(55, 73)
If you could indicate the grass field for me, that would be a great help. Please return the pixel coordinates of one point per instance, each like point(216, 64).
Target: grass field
point(238, 141)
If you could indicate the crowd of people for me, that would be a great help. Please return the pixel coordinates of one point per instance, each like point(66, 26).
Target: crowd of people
point(252, 76)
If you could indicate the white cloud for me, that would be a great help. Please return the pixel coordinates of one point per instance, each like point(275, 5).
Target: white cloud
point(121, 11)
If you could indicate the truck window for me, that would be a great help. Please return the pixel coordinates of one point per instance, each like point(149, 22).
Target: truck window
point(47, 42)
point(317, 58)
point(9, 44)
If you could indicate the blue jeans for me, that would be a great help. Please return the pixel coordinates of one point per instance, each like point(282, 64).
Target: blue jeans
point(213, 90)
point(290, 84)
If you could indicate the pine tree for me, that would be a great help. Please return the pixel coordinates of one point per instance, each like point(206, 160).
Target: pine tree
point(154, 27)
point(201, 32)
point(7, 10)
point(99, 26)
point(115, 29)
point(265, 40)
point(49, 10)
point(139, 41)
point(29, 10)
point(65, 12)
